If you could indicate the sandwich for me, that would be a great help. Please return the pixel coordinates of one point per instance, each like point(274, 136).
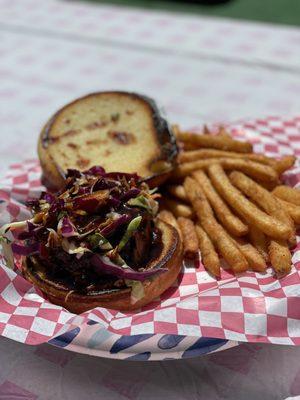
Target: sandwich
point(118, 130)
point(98, 242)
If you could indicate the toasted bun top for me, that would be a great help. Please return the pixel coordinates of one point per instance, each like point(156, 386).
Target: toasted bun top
point(118, 130)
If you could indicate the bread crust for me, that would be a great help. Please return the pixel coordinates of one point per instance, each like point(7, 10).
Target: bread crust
point(120, 299)
point(53, 175)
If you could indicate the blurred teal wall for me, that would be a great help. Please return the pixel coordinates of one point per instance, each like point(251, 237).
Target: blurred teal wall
point(274, 11)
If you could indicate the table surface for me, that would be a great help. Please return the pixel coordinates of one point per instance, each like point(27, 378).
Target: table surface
point(201, 70)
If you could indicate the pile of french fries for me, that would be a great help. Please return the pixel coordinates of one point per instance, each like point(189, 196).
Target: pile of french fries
point(228, 202)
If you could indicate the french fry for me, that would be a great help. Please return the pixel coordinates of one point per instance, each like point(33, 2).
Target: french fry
point(188, 156)
point(186, 146)
point(206, 131)
point(209, 256)
point(178, 209)
point(264, 199)
point(183, 170)
point(280, 166)
point(215, 231)
point(267, 185)
point(259, 241)
point(189, 238)
point(193, 191)
point(215, 142)
point(254, 258)
point(284, 164)
point(251, 168)
point(169, 218)
point(222, 132)
point(288, 194)
point(232, 223)
point(252, 214)
point(291, 209)
point(177, 191)
point(280, 257)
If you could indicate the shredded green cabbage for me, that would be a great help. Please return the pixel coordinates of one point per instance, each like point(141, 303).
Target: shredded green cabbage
point(7, 252)
point(137, 290)
point(144, 202)
point(97, 240)
point(71, 248)
point(13, 225)
point(131, 228)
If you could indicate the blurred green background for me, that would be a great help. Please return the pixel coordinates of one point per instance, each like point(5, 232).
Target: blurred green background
point(274, 11)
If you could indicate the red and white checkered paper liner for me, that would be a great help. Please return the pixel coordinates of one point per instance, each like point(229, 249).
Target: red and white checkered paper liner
point(251, 307)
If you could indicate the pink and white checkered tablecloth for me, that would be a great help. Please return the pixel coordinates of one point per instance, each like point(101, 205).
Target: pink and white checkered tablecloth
point(252, 307)
point(200, 70)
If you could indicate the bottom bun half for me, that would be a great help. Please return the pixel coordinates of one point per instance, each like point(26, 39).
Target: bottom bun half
point(119, 299)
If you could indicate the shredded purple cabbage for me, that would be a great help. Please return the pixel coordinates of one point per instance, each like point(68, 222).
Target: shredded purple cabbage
point(32, 203)
point(23, 250)
point(90, 203)
point(131, 193)
point(114, 225)
point(84, 190)
point(74, 230)
point(120, 175)
point(104, 265)
point(31, 233)
point(96, 170)
point(67, 228)
point(103, 183)
point(114, 202)
point(48, 197)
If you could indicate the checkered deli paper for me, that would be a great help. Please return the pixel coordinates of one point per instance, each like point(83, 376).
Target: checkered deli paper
point(250, 307)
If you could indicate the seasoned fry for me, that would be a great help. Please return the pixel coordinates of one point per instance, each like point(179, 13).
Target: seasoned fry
point(280, 257)
point(280, 166)
point(215, 231)
point(253, 169)
point(188, 156)
point(181, 147)
point(259, 241)
point(222, 132)
point(232, 223)
point(288, 194)
point(169, 218)
point(267, 185)
point(215, 142)
point(284, 164)
point(185, 169)
point(264, 199)
point(249, 203)
point(177, 191)
point(193, 190)
point(291, 209)
point(252, 214)
point(176, 130)
point(189, 237)
point(186, 146)
point(222, 241)
point(206, 131)
point(209, 256)
point(254, 258)
point(178, 209)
